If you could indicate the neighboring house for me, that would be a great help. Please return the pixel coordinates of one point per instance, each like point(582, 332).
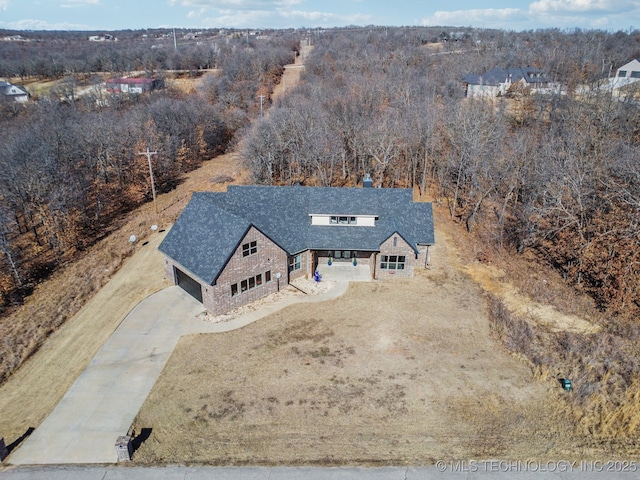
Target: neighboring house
point(230, 249)
point(132, 85)
point(496, 82)
point(626, 75)
point(629, 70)
point(102, 38)
point(13, 93)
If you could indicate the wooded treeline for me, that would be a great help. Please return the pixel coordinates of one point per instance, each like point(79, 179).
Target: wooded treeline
point(48, 55)
point(69, 168)
point(556, 174)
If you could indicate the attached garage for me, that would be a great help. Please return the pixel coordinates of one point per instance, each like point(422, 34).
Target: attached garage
point(189, 284)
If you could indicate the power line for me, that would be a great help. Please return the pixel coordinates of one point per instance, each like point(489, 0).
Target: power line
point(148, 154)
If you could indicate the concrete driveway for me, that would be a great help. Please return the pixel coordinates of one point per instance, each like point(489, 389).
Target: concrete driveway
point(104, 400)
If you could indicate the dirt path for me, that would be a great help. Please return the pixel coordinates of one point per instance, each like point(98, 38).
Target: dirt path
point(291, 76)
point(493, 280)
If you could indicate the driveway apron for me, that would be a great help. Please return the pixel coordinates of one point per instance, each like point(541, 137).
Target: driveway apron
point(103, 402)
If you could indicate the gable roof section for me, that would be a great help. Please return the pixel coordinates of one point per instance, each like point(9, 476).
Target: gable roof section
point(204, 236)
point(208, 231)
point(9, 89)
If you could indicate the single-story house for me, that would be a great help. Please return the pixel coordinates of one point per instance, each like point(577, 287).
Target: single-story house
point(14, 93)
point(229, 249)
point(497, 81)
point(132, 85)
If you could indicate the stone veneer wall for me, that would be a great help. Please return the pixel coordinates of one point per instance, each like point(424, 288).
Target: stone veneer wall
point(402, 248)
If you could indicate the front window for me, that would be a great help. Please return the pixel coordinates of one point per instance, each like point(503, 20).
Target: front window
point(392, 262)
point(295, 263)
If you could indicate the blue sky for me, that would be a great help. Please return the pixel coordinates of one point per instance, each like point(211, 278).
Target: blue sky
point(610, 15)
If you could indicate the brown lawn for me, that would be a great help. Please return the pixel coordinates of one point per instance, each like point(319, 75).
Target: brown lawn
point(394, 372)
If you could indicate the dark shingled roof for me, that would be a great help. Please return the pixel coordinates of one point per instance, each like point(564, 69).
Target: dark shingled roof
point(211, 226)
point(496, 76)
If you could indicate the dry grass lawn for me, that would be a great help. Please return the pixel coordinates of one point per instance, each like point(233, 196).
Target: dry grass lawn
point(394, 372)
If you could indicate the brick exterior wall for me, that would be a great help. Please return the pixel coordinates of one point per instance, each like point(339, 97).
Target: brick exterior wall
point(217, 299)
point(401, 248)
point(306, 266)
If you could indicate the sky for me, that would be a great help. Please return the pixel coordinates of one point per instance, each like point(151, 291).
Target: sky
point(611, 15)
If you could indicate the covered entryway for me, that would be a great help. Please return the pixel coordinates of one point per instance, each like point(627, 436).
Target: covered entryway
point(339, 271)
point(189, 284)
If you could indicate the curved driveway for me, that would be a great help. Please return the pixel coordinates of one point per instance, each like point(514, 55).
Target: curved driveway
point(103, 402)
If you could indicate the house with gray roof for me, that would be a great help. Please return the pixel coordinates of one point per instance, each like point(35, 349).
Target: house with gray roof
point(14, 93)
point(497, 81)
point(229, 249)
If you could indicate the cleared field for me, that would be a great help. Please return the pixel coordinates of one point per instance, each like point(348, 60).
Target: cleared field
point(394, 372)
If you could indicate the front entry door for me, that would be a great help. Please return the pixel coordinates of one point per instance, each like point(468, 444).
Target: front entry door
point(342, 255)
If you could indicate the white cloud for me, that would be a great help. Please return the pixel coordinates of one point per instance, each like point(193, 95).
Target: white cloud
point(280, 18)
point(488, 17)
point(598, 14)
point(582, 6)
point(30, 24)
point(79, 3)
point(4, 4)
point(263, 13)
point(256, 5)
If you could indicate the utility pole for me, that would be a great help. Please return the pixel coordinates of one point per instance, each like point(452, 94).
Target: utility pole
point(261, 102)
point(175, 42)
point(153, 185)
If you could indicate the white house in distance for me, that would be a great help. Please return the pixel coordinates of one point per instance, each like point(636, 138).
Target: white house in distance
point(626, 75)
point(496, 82)
point(629, 70)
point(13, 93)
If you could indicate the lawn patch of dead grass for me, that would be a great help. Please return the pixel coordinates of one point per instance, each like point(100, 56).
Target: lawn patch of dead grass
point(394, 372)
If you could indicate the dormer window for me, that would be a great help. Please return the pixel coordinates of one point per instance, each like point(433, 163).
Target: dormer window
point(336, 220)
point(359, 220)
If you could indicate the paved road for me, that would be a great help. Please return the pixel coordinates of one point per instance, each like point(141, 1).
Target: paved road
point(489, 470)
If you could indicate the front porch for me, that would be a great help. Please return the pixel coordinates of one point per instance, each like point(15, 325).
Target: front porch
point(344, 271)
